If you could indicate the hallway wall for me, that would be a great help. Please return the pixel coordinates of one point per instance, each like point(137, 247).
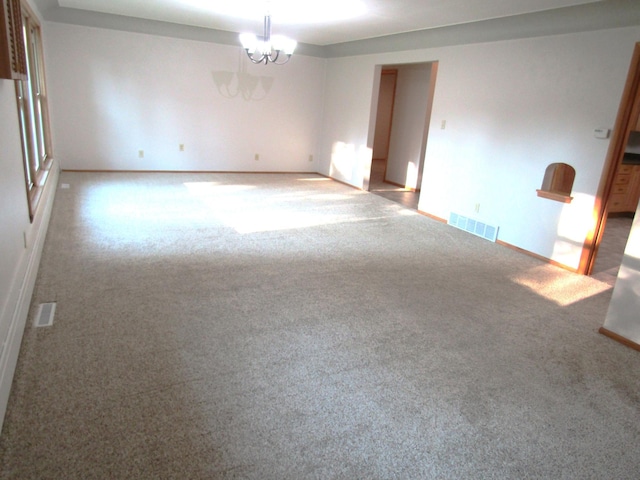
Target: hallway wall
point(114, 93)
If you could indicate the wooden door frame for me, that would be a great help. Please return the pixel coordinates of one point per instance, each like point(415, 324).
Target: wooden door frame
point(626, 111)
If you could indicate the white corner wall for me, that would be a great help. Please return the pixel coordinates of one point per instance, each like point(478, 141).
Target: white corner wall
point(511, 108)
point(115, 93)
point(623, 317)
point(346, 144)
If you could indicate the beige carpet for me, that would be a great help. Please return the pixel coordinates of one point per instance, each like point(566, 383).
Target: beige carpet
point(290, 327)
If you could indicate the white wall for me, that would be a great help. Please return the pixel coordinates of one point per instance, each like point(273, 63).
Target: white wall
point(346, 144)
point(114, 93)
point(21, 241)
point(512, 108)
point(408, 126)
point(623, 317)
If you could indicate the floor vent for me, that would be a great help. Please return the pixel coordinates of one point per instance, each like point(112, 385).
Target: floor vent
point(45, 314)
point(470, 225)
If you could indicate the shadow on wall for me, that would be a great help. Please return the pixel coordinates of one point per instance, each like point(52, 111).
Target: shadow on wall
point(242, 84)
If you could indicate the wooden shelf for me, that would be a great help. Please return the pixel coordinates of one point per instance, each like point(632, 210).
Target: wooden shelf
point(558, 197)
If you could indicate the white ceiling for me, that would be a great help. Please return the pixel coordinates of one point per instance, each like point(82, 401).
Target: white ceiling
point(322, 22)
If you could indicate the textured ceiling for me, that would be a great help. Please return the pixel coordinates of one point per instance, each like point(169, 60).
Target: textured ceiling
point(323, 22)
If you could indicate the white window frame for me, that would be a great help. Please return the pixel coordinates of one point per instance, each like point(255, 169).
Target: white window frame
point(33, 112)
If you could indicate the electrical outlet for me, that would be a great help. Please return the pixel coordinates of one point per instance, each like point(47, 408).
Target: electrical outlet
point(443, 125)
point(311, 158)
point(140, 153)
point(181, 147)
point(477, 208)
point(256, 157)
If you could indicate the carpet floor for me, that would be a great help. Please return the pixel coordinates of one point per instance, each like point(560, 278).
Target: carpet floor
point(247, 326)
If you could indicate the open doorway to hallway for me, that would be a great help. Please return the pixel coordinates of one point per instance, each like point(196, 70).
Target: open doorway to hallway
point(611, 249)
point(401, 128)
point(379, 186)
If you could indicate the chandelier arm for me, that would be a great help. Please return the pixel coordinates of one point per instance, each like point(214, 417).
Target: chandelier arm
point(281, 63)
point(262, 58)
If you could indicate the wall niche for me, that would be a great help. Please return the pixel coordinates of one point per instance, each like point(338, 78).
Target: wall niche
point(558, 182)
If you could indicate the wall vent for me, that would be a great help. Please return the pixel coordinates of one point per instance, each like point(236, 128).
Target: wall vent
point(475, 227)
point(45, 315)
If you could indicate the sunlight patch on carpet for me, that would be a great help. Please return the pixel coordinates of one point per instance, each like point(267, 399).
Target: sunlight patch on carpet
point(268, 221)
point(558, 286)
point(208, 188)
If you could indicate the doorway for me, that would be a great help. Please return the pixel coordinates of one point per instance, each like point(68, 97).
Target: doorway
point(619, 190)
point(401, 127)
point(611, 248)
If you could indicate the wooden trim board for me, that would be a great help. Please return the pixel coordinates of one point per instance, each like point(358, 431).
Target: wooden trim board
point(619, 338)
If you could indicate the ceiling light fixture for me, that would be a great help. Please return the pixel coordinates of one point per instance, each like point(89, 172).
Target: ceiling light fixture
point(268, 48)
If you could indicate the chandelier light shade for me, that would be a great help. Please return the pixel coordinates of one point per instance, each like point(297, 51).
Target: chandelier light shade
point(268, 49)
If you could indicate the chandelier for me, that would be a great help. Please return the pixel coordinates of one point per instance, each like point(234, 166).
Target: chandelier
point(268, 48)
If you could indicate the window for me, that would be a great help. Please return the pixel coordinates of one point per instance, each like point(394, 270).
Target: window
point(33, 112)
